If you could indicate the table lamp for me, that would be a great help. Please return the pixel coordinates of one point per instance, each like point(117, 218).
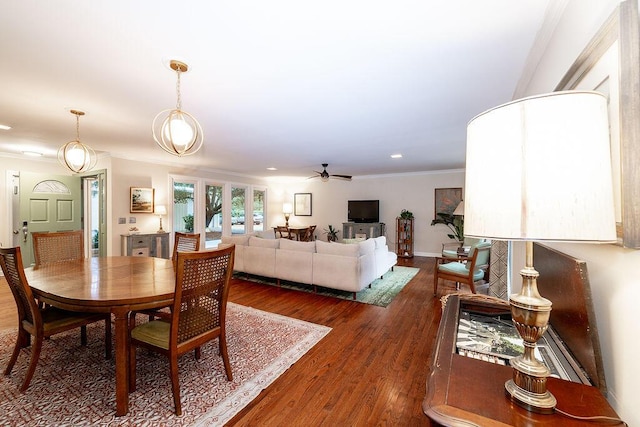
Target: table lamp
point(539, 169)
point(459, 210)
point(160, 210)
point(287, 210)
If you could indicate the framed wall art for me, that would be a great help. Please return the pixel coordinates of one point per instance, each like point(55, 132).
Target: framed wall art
point(446, 200)
point(302, 204)
point(141, 200)
point(610, 64)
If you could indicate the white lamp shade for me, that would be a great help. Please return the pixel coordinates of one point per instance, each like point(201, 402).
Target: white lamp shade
point(459, 209)
point(287, 208)
point(539, 168)
point(160, 210)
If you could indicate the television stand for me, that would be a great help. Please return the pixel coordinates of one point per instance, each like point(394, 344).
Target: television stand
point(369, 229)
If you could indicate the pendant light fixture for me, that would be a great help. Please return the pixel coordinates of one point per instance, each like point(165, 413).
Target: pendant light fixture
point(74, 155)
point(176, 131)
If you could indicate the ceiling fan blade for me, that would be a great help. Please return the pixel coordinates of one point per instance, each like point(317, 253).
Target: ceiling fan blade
point(347, 177)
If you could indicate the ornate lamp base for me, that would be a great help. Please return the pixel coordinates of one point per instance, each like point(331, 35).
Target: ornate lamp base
point(530, 314)
point(542, 403)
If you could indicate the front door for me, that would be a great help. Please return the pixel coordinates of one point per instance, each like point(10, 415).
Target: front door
point(47, 203)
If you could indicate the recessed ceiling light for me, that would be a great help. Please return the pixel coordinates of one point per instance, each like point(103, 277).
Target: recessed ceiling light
point(396, 156)
point(5, 127)
point(272, 169)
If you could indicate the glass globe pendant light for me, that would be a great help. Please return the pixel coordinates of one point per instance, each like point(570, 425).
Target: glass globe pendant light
point(74, 155)
point(176, 131)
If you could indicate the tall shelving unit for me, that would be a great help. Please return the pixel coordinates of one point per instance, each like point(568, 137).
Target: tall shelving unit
point(404, 237)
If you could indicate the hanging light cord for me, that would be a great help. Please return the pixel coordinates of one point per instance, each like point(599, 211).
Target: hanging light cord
point(179, 101)
point(78, 127)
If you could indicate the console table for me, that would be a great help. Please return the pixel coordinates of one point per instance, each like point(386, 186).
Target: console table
point(369, 229)
point(151, 244)
point(464, 391)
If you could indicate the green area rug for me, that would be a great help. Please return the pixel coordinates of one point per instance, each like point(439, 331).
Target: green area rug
point(381, 292)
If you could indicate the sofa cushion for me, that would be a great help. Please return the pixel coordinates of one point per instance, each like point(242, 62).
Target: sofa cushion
point(294, 245)
point(337, 248)
point(242, 240)
point(367, 247)
point(381, 242)
point(264, 243)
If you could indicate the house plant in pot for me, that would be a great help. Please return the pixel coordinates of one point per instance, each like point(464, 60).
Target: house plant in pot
point(332, 234)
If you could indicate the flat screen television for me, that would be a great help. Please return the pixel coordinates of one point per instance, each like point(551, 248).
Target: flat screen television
point(363, 211)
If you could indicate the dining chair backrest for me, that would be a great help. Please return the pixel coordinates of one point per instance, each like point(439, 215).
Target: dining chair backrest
point(185, 242)
point(49, 247)
point(41, 322)
point(308, 234)
point(202, 290)
point(13, 269)
point(282, 232)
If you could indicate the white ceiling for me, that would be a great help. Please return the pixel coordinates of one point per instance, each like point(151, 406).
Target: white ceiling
point(286, 84)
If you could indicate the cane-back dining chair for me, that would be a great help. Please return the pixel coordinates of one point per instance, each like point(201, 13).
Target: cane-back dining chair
point(40, 322)
point(468, 270)
point(185, 242)
point(57, 246)
point(197, 315)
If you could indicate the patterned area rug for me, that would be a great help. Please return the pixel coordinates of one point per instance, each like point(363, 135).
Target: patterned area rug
point(381, 292)
point(75, 385)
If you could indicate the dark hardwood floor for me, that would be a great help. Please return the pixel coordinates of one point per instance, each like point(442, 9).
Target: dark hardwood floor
point(371, 369)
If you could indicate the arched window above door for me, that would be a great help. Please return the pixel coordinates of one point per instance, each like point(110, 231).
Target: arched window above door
point(51, 186)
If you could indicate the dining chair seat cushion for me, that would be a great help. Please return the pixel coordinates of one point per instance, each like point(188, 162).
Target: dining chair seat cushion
point(155, 333)
point(55, 319)
point(460, 269)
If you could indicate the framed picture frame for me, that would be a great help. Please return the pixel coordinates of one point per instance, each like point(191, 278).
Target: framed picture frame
point(610, 64)
point(141, 200)
point(302, 204)
point(446, 200)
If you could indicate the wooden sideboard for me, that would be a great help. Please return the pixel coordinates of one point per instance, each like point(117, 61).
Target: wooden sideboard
point(147, 244)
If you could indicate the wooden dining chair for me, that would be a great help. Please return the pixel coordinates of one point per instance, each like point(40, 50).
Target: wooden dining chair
point(40, 322)
point(307, 236)
point(197, 316)
point(282, 232)
point(57, 246)
point(185, 242)
point(182, 242)
point(467, 270)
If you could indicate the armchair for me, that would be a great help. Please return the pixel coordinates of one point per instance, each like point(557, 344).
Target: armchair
point(467, 270)
point(450, 249)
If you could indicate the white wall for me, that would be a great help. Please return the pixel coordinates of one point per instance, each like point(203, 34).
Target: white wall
point(414, 192)
point(613, 271)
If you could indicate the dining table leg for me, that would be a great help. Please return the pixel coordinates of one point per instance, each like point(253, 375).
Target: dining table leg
point(122, 361)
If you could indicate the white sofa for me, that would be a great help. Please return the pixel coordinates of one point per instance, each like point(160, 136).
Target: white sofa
point(348, 267)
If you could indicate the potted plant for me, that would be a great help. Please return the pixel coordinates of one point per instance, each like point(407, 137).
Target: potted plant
point(405, 214)
point(454, 222)
point(188, 223)
point(332, 234)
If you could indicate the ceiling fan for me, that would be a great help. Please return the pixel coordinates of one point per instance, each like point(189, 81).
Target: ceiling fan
point(324, 175)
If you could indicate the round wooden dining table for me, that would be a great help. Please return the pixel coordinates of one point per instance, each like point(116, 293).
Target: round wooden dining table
point(116, 285)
